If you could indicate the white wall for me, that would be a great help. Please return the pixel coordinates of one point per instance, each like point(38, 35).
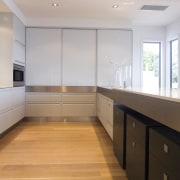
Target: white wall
point(78, 23)
point(141, 34)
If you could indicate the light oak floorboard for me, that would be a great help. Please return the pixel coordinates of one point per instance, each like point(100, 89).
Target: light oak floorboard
point(58, 151)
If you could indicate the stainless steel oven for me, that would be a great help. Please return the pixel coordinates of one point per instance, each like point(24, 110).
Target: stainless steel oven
point(18, 75)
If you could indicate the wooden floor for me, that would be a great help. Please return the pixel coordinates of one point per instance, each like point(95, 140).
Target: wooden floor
point(58, 151)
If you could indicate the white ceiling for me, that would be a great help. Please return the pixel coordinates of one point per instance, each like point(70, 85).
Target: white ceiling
point(101, 10)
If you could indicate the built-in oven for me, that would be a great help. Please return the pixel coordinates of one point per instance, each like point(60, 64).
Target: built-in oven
point(18, 75)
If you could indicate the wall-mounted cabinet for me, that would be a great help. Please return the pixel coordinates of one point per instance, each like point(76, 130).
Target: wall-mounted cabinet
point(75, 57)
point(6, 48)
point(19, 42)
point(43, 53)
point(12, 45)
point(114, 51)
point(79, 57)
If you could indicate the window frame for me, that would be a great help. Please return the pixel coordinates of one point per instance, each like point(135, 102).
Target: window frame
point(170, 61)
point(160, 59)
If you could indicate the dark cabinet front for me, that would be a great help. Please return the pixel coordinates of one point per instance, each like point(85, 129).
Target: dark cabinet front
point(135, 149)
point(164, 154)
point(119, 132)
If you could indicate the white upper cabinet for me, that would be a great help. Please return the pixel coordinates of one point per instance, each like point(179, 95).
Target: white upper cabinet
point(43, 56)
point(19, 42)
point(6, 48)
point(19, 30)
point(114, 51)
point(79, 57)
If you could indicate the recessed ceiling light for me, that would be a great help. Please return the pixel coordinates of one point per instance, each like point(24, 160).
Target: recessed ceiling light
point(115, 6)
point(55, 4)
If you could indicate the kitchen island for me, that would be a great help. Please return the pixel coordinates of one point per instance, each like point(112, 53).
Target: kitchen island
point(163, 106)
point(146, 127)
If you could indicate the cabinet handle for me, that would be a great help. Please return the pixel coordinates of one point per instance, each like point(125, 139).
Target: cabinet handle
point(165, 176)
point(134, 125)
point(133, 144)
point(166, 148)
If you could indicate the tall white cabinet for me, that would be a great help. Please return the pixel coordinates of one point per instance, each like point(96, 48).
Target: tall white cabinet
point(79, 57)
point(43, 57)
point(6, 47)
point(114, 52)
point(19, 42)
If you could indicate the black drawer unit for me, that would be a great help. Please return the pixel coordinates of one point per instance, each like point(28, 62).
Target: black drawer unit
point(137, 141)
point(164, 148)
point(119, 135)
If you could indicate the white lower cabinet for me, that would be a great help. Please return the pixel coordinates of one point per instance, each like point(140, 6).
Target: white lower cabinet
point(43, 110)
point(83, 110)
point(12, 107)
point(43, 104)
point(60, 104)
point(79, 104)
point(105, 113)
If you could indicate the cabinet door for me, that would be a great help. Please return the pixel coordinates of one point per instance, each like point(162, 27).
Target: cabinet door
point(19, 30)
point(119, 136)
point(6, 40)
point(43, 56)
point(79, 57)
point(114, 49)
point(158, 171)
point(135, 149)
point(19, 53)
point(164, 149)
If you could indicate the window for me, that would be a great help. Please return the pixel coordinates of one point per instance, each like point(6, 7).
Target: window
point(151, 65)
point(174, 63)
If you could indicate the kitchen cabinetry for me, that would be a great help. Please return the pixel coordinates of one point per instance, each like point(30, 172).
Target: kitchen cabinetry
point(164, 149)
point(43, 52)
point(105, 113)
point(43, 104)
point(12, 107)
point(79, 104)
point(114, 50)
point(19, 42)
point(137, 146)
point(119, 135)
point(47, 104)
point(6, 48)
point(79, 57)
point(12, 45)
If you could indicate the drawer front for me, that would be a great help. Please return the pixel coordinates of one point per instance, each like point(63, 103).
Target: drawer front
point(136, 129)
point(82, 110)
point(43, 97)
point(135, 159)
point(167, 152)
point(43, 110)
point(79, 98)
point(135, 149)
point(10, 118)
point(158, 172)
